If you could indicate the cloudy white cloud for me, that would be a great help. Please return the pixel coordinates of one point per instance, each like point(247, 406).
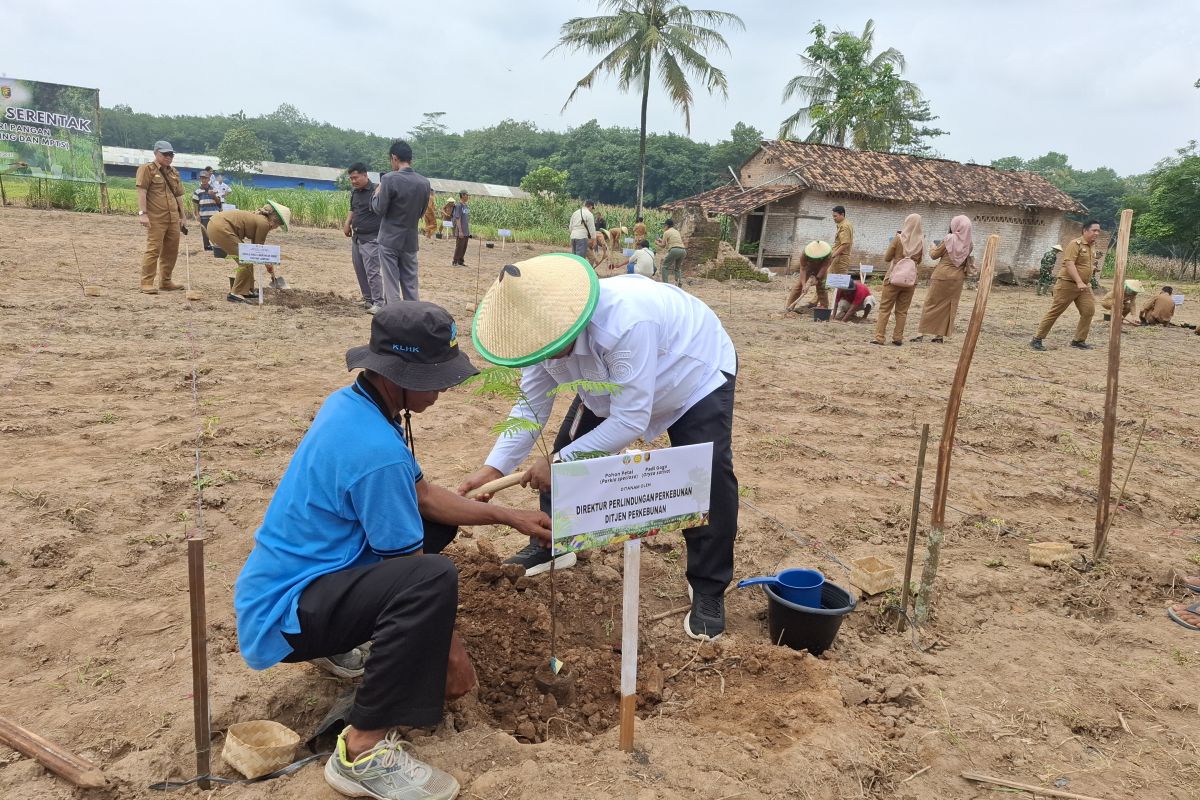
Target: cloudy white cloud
point(1107, 82)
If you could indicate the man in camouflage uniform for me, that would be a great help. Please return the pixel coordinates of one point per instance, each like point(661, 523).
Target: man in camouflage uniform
point(1046, 270)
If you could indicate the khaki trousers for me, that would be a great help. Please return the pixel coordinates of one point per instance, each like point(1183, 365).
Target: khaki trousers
point(797, 292)
point(898, 298)
point(1067, 293)
point(162, 250)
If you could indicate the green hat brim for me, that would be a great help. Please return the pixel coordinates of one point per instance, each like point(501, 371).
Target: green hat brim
point(282, 222)
point(558, 343)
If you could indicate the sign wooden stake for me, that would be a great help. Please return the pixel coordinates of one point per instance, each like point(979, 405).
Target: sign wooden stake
point(200, 710)
point(942, 480)
point(629, 640)
point(912, 527)
point(1110, 393)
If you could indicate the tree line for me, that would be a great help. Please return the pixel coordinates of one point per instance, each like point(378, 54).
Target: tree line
point(601, 162)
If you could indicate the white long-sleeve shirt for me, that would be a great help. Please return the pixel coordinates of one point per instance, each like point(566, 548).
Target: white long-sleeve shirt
point(583, 224)
point(665, 348)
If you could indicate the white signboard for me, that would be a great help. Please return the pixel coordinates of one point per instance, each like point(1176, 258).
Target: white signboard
point(504, 233)
point(447, 223)
point(600, 501)
point(628, 240)
point(837, 281)
point(1177, 299)
point(258, 253)
point(865, 269)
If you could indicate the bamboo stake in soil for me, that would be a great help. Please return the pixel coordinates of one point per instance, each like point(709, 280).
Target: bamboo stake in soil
point(1110, 393)
point(912, 528)
point(58, 760)
point(200, 711)
point(629, 640)
point(942, 480)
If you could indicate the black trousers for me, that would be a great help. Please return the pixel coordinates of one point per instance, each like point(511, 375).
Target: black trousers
point(204, 234)
point(407, 606)
point(709, 547)
point(460, 249)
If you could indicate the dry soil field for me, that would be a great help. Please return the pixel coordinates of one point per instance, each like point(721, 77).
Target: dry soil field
point(1048, 676)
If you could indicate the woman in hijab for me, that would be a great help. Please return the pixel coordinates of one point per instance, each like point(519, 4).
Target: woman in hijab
point(941, 303)
point(907, 245)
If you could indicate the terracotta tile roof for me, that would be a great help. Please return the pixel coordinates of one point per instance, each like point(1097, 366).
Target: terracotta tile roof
point(734, 201)
point(900, 178)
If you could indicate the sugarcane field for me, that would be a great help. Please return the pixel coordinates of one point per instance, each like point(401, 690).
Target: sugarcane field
point(421, 455)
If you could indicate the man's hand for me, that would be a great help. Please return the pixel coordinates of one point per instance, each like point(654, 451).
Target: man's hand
point(183, 228)
point(476, 479)
point(531, 523)
point(144, 221)
point(460, 673)
point(346, 229)
point(1081, 285)
point(538, 476)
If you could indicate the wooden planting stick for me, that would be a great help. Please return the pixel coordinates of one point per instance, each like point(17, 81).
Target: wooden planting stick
point(629, 640)
point(61, 762)
point(1110, 392)
point(1028, 787)
point(200, 711)
point(912, 527)
point(942, 480)
point(491, 487)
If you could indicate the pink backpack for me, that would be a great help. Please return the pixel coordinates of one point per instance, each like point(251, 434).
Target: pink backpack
point(904, 273)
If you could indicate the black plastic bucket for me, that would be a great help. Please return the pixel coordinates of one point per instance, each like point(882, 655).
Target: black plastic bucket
point(804, 628)
point(821, 314)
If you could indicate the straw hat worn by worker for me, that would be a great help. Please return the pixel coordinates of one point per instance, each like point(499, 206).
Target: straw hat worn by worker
point(814, 263)
point(675, 366)
point(1132, 290)
point(226, 229)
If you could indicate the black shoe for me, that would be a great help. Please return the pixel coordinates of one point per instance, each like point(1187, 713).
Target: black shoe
point(536, 559)
point(706, 620)
point(1081, 345)
point(1036, 344)
point(936, 340)
point(875, 342)
point(897, 342)
point(236, 298)
point(917, 339)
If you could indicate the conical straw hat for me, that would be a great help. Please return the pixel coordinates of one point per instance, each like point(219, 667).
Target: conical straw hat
point(817, 249)
point(283, 212)
point(535, 309)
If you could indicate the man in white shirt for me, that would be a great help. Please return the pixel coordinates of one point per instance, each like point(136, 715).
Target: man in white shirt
point(583, 229)
point(641, 261)
point(677, 370)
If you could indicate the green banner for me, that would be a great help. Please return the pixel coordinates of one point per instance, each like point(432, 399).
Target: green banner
point(50, 131)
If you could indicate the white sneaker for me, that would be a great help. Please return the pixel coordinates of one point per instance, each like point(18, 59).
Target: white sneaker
point(374, 309)
point(388, 771)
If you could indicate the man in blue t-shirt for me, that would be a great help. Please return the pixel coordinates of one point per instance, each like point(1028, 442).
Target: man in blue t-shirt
point(344, 555)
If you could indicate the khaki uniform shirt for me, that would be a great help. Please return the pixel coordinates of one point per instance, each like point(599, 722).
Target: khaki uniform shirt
point(163, 187)
point(1079, 253)
point(1106, 302)
point(672, 238)
point(845, 235)
point(245, 225)
point(1159, 310)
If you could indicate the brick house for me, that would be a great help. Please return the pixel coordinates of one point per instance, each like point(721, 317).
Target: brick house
point(784, 194)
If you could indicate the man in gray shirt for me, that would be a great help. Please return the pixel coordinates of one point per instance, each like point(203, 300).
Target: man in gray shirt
point(362, 223)
point(400, 200)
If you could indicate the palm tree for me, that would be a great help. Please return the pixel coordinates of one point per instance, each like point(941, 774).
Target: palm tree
point(638, 35)
point(839, 74)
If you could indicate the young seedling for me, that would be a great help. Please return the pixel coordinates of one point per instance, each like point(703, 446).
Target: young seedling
point(505, 383)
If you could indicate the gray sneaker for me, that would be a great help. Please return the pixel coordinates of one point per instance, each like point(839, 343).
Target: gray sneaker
point(387, 771)
point(374, 309)
point(345, 665)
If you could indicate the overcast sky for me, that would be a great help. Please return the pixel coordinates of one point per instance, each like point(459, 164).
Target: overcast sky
point(1109, 85)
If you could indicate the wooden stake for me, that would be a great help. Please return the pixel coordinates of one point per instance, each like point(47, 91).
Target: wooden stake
point(912, 527)
point(3, 196)
point(1110, 393)
point(491, 487)
point(1028, 787)
point(942, 479)
point(200, 711)
point(61, 762)
point(629, 640)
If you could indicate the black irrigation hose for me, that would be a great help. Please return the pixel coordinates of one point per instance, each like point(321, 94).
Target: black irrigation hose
point(169, 786)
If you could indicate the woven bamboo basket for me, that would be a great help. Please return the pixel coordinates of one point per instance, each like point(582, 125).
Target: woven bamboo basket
point(259, 747)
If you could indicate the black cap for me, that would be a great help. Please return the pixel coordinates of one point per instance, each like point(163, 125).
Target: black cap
point(415, 346)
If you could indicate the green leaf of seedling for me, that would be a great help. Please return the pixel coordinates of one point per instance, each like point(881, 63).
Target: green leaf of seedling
point(498, 382)
point(515, 425)
point(582, 455)
point(584, 385)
